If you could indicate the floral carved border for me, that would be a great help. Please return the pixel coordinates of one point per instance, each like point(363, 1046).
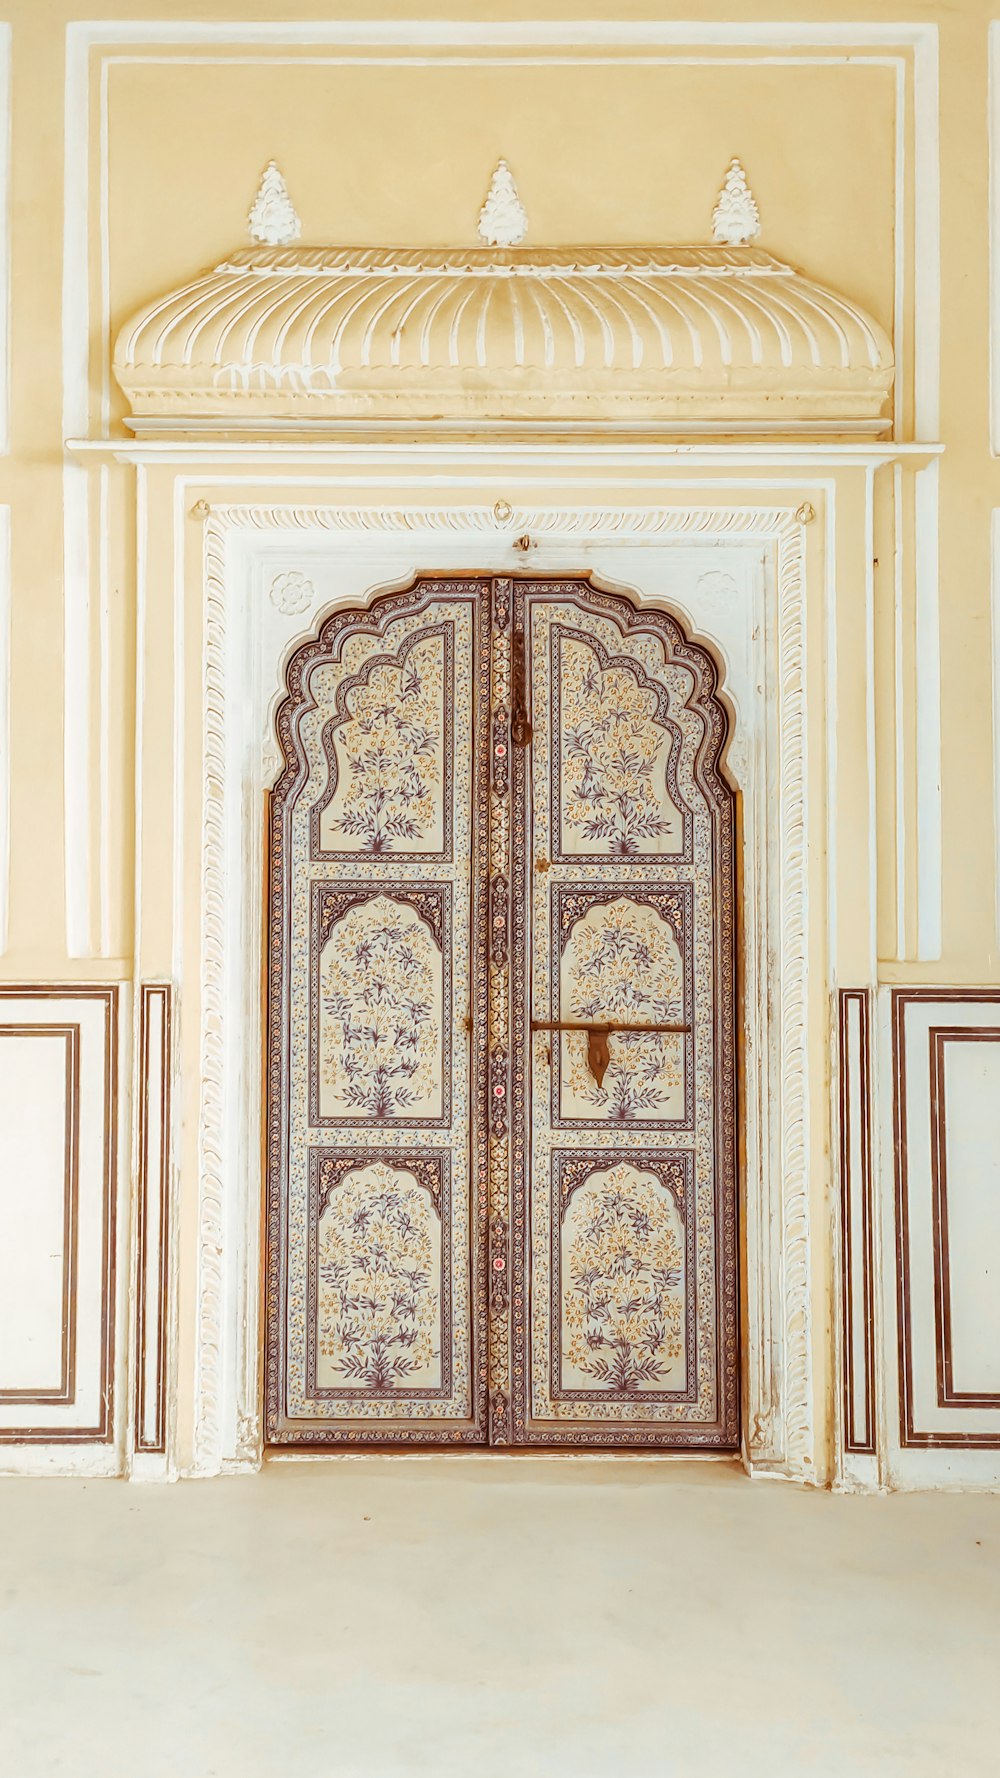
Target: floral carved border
point(778, 1414)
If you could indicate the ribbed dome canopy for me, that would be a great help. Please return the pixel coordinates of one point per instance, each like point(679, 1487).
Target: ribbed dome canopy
point(709, 338)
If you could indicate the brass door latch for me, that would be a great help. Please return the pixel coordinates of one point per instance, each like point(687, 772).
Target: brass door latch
point(598, 1048)
point(520, 723)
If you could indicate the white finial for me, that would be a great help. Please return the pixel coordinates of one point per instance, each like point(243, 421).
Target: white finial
point(735, 219)
point(503, 220)
point(273, 220)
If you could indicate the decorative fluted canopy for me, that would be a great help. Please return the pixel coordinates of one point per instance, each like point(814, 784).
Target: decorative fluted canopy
point(720, 338)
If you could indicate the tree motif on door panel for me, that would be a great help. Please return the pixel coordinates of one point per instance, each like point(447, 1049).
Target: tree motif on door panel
point(623, 1283)
point(614, 748)
point(378, 1308)
point(386, 754)
point(622, 966)
point(381, 1021)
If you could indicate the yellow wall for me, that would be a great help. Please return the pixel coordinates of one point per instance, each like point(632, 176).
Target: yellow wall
point(402, 154)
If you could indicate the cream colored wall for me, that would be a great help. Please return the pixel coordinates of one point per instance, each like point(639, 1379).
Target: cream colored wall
point(377, 154)
point(632, 153)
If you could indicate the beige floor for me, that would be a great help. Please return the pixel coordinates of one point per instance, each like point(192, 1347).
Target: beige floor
point(495, 1617)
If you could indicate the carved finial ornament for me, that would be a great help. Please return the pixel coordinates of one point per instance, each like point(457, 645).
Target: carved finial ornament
point(735, 219)
point(273, 219)
point(503, 220)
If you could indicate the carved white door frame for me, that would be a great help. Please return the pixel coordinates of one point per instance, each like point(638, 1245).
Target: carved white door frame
point(372, 548)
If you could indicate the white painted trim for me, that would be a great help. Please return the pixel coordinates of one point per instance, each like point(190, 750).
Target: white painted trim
point(605, 451)
point(106, 943)
point(6, 132)
point(76, 233)
point(179, 517)
point(928, 714)
point(5, 703)
point(832, 731)
point(538, 33)
point(76, 709)
point(870, 749)
point(993, 128)
point(926, 236)
point(901, 825)
point(141, 582)
point(995, 655)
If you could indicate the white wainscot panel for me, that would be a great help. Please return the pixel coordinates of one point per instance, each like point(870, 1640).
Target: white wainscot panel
point(945, 1046)
point(58, 1113)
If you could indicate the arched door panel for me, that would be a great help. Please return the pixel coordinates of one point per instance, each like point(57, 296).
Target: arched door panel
point(501, 1094)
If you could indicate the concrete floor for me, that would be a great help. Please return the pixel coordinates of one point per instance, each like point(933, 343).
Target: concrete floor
point(496, 1619)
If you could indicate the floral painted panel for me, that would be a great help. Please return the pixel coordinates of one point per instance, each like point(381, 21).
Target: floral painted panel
point(619, 1285)
point(621, 960)
point(389, 751)
point(380, 1316)
point(381, 1006)
point(613, 754)
point(378, 940)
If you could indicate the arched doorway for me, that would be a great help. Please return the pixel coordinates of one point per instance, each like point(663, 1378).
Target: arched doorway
point(501, 1049)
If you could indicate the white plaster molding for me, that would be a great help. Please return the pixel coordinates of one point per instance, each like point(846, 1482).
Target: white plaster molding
point(927, 668)
point(5, 766)
point(725, 336)
point(273, 220)
point(994, 225)
point(77, 691)
point(208, 1443)
point(995, 688)
point(735, 219)
point(503, 219)
point(6, 114)
point(779, 1407)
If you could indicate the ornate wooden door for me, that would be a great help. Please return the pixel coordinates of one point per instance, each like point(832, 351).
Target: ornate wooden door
point(501, 1196)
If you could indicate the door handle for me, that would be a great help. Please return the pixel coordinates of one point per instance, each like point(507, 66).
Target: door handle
point(520, 721)
point(598, 1048)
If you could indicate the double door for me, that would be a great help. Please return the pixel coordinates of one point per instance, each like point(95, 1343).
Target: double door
point(501, 1178)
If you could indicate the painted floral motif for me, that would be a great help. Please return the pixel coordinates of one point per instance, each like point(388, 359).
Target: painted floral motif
point(614, 754)
point(623, 1300)
point(381, 1014)
point(389, 754)
point(622, 966)
point(378, 1313)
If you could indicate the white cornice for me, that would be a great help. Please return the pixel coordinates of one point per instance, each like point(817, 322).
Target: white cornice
point(603, 452)
point(531, 33)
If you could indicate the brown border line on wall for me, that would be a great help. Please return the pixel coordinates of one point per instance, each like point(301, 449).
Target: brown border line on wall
point(938, 1036)
point(156, 1444)
point(103, 1432)
point(857, 1442)
point(64, 1392)
point(909, 1436)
